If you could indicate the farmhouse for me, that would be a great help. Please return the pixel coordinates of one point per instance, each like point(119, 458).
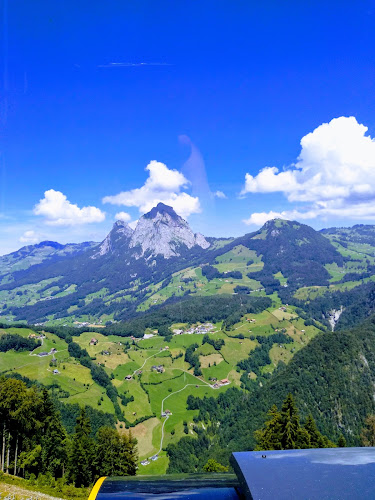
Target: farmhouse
point(145, 462)
point(159, 368)
point(56, 372)
point(93, 341)
point(224, 381)
point(43, 354)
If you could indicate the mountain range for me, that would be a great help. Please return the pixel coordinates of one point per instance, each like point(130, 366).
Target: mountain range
point(162, 259)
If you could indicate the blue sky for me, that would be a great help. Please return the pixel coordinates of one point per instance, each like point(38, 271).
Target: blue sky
point(216, 94)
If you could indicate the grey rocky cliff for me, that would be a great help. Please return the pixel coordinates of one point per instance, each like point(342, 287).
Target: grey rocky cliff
point(120, 235)
point(159, 232)
point(163, 232)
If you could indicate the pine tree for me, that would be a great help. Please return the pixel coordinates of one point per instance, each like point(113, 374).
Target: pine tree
point(82, 453)
point(289, 424)
point(54, 447)
point(283, 430)
point(269, 438)
point(108, 451)
point(316, 439)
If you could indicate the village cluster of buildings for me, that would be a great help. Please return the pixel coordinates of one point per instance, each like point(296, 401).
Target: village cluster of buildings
point(200, 329)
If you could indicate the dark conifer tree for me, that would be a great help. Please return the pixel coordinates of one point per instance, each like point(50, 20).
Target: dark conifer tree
point(82, 453)
point(289, 424)
point(54, 447)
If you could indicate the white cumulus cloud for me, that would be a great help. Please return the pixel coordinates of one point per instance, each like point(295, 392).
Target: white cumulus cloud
point(124, 216)
point(334, 173)
point(162, 185)
point(260, 218)
point(29, 237)
point(220, 194)
point(58, 211)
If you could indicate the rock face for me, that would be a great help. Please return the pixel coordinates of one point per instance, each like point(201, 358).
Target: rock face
point(163, 232)
point(160, 232)
point(334, 316)
point(116, 241)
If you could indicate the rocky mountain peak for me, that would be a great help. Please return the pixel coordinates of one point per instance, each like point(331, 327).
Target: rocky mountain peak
point(119, 237)
point(161, 209)
point(162, 232)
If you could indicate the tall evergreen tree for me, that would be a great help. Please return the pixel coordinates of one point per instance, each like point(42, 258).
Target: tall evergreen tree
point(269, 438)
point(289, 424)
point(82, 453)
point(283, 430)
point(54, 447)
point(316, 439)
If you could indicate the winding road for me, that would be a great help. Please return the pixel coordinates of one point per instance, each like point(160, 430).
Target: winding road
point(205, 384)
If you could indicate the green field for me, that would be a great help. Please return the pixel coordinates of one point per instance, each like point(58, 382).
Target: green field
point(154, 391)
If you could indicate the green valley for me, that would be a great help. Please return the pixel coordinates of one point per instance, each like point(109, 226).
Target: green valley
point(152, 375)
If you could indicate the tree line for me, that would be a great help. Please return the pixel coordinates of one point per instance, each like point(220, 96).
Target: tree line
point(10, 341)
point(34, 440)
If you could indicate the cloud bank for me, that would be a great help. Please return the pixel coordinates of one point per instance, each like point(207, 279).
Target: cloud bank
point(334, 175)
point(124, 216)
point(29, 237)
point(162, 185)
point(58, 211)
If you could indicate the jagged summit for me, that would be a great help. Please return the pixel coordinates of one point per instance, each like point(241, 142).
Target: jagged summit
point(161, 209)
point(158, 232)
point(162, 232)
point(118, 239)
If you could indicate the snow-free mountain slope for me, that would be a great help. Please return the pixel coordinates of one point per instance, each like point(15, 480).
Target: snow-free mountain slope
point(31, 255)
point(117, 241)
point(163, 232)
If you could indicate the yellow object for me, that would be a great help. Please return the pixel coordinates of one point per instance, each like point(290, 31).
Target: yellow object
point(96, 488)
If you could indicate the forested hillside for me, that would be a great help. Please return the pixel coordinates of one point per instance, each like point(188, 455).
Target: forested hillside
point(332, 378)
point(35, 442)
point(116, 280)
